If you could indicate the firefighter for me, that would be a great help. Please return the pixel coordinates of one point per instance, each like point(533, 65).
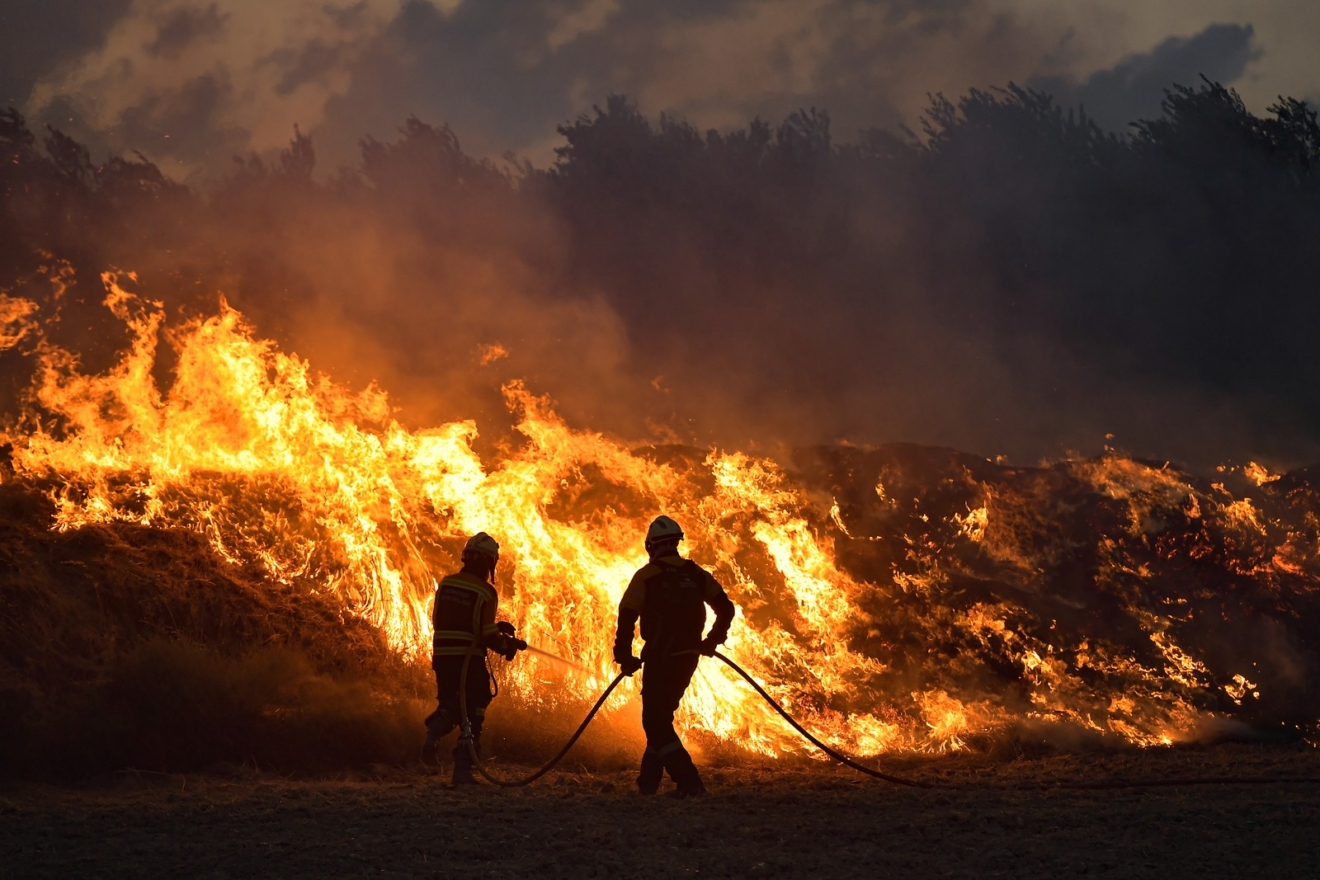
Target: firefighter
point(464, 618)
point(670, 595)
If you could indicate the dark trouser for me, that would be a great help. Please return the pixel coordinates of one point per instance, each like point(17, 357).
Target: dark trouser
point(663, 683)
point(447, 716)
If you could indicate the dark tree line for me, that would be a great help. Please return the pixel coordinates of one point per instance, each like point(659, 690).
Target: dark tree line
point(1180, 258)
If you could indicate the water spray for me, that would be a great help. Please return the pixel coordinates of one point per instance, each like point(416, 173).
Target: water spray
point(556, 658)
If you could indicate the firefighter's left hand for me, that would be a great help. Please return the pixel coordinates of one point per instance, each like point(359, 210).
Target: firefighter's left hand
point(629, 665)
point(708, 646)
point(512, 646)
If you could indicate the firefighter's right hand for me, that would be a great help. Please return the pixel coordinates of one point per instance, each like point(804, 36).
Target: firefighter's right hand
point(628, 665)
point(512, 646)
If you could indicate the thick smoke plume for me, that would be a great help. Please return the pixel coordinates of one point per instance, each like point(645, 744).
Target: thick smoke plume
point(1013, 280)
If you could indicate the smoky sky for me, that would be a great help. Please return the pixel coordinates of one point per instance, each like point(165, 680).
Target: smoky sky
point(39, 38)
point(947, 307)
point(190, 83)
point(1134, 88)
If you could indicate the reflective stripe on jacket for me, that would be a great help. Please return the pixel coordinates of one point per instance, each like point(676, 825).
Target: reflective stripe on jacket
point(464, 612)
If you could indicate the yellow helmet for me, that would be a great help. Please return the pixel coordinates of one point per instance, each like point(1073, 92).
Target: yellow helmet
point(482, 544)
point(662, 531)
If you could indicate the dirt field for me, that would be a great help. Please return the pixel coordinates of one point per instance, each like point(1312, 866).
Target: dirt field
point(758, 821)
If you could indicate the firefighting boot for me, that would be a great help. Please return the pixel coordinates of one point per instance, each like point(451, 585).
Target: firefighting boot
point(653, 770)
point(438, 725)
point(690, 789)
point(684, 773)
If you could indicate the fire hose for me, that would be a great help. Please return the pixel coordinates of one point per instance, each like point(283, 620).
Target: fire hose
point(466, 738)
point(465, 731)
point(836, 755)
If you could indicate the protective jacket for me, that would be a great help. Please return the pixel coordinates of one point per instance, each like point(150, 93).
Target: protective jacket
point(670, 595)
point(465, 607)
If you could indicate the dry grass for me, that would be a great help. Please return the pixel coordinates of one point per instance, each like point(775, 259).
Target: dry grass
point(128, 646)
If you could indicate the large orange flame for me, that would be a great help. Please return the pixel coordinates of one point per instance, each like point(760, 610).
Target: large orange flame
point(278, 466)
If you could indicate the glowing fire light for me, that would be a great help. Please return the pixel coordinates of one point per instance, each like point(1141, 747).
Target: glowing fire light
point(276, 465)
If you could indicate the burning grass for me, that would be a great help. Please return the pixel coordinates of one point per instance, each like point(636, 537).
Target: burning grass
point(253, 543)
point(123, 645)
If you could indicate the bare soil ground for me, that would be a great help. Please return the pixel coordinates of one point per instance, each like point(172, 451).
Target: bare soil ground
point(986, 818)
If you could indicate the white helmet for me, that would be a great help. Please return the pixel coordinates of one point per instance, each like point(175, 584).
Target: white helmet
point(483, 544)
point(662, 530)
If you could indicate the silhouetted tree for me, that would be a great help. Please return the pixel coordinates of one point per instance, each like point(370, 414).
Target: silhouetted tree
point(1009, 228)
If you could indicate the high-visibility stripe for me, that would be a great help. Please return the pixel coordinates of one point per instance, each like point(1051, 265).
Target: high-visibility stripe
point(669, 748)
point(484, 593)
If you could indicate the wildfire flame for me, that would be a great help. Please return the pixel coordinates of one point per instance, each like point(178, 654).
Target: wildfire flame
point(278, 466)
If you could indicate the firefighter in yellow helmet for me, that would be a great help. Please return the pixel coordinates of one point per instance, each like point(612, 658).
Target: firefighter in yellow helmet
point(465, 606)
point(669, 594)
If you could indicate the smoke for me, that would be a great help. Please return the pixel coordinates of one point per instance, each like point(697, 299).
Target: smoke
point(40, 38)
point(191, 84)
point(1134, 88)
point(1015, 282)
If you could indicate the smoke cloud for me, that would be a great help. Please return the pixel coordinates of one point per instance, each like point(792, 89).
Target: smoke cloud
point(1015, 282)
point(1008, 282)
point(1134, 88)
point(191, 84)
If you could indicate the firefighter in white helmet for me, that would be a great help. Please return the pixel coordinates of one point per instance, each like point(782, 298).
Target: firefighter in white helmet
point(465, 606)
point(669, 594)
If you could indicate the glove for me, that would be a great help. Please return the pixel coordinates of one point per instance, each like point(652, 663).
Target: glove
point(708, 646)
point(628, 665)
point(509, 646)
